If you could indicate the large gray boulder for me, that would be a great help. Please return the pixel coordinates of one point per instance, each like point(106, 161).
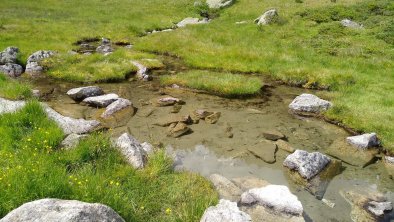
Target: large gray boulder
point(33, 67)
point(79, 94)
point(101, 101)
point(9, 55)
point(351, 24)
point(216, 4)
point(11, 70)
point(62, 211)
point(363, 141)
point(132, 150)
point(268, 17)
point(309, 103)
point(225, 211)
point(277, 198)
point(70, 125)
point(307, 164)
point(8, 106)
point(116, 106)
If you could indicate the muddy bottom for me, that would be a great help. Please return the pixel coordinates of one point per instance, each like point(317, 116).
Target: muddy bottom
point(209, 149)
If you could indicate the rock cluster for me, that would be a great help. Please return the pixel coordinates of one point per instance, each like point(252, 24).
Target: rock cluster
point(33, 67)
point(62, 211)
point(8, 59)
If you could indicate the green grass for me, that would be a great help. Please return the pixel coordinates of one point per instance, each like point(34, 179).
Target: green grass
point(33, 167)
point(13, 89)
point(309, 48)
point(224, 84)
point(97, 67)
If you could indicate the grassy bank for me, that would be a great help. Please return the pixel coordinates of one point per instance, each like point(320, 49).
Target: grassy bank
point(13, 89)
point(224, 84)
point(33, 167)
point(307, 48)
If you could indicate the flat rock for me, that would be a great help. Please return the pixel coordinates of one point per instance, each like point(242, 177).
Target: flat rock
point(276, 198)
point(264, 150)
point(11, 70)
point(173, 119)
point(213, 118)
point(366, 206)
point(101, 101)
point(178, 129)
point(226, 189)
point(70, 125)
point(62, 211)
point(267, 17)
point(225, 211)
point(309, 103)
point(216, 4)
point(79, 94)
point(72, 141)
point(273, 135)
point(8, 106)
point(363, 141)
point(350, 154)
point(116, 106)
point(283, 145)
point(191, 21)
point(201, 113)
point(9, 55)
point(166, 101)
point(351, 24)
point(249, 182)
point(307, 164)
point(132, 150)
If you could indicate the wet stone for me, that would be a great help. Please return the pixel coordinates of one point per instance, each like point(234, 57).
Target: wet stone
point(201, 113)
point(249, 182)
point(101, 101)
point(213, 118)
point(178, 129)
point(79, 94)
point(176, 108)
point(273, 135)
point(264, 150)
point(166, 101)
point(116, 106)
point(283, 145)
point(226, 189)
point(173, 119)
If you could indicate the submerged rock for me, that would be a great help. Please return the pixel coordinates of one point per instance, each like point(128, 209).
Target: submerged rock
point(273, 135)
point(364, 141)
point(213, 118)
point(132, 150)
point(72, 141)
point(116, 106)
point(366, 206)
point(351, 24)
point(216, 4)
point(11, 70)
point(173, 119)
point(166, 101)
point(191, 21)
point(309, 103)
point(265, 151)
point(79, 94)
point(248, 182)
point(307, 164)
point(101, 101)
point(33, 67)
point(350, 154)
point(9, 55)
point(62, 211)
point(225, 211)
point(283, 145)
point(268, 17)
point(226, 189)
point(201, 113)
point(178, 129)
point(276, 198)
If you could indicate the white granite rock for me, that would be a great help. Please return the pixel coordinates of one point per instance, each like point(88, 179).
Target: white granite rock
point(191, 21)
point(309, 103)
point(363, 141)
point(101, 101)
point(307, 164)
point(8, 106)
point(132, 150)
point(116, 106)
point(268, 17)
point(81, 93)
point(225, 211)
point(215, 4)
point(72, 141)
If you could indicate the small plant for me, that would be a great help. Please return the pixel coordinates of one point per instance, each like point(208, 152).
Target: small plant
point(299, 1)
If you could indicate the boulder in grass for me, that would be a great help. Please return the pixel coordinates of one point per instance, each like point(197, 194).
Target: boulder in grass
point(33, 67)
point(101, 101)
point(9, 55)
point(191, 21)
point(308, 103)
point(132, 150)
point(216, 4)
point(11, 70)
point(79, 94)
point(268, 17)
point(351, 24)
point(307, 164)
point(364, 141)
point(225, 211)
point(276, 198)
point(72, 141)
point(62, 211)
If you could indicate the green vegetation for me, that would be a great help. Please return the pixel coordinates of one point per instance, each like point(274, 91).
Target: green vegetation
point(224, 84)
point(97, 67)
point(12, 89)
point(33, 167)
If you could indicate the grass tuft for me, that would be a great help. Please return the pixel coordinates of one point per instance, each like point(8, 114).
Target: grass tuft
point(13, 89)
